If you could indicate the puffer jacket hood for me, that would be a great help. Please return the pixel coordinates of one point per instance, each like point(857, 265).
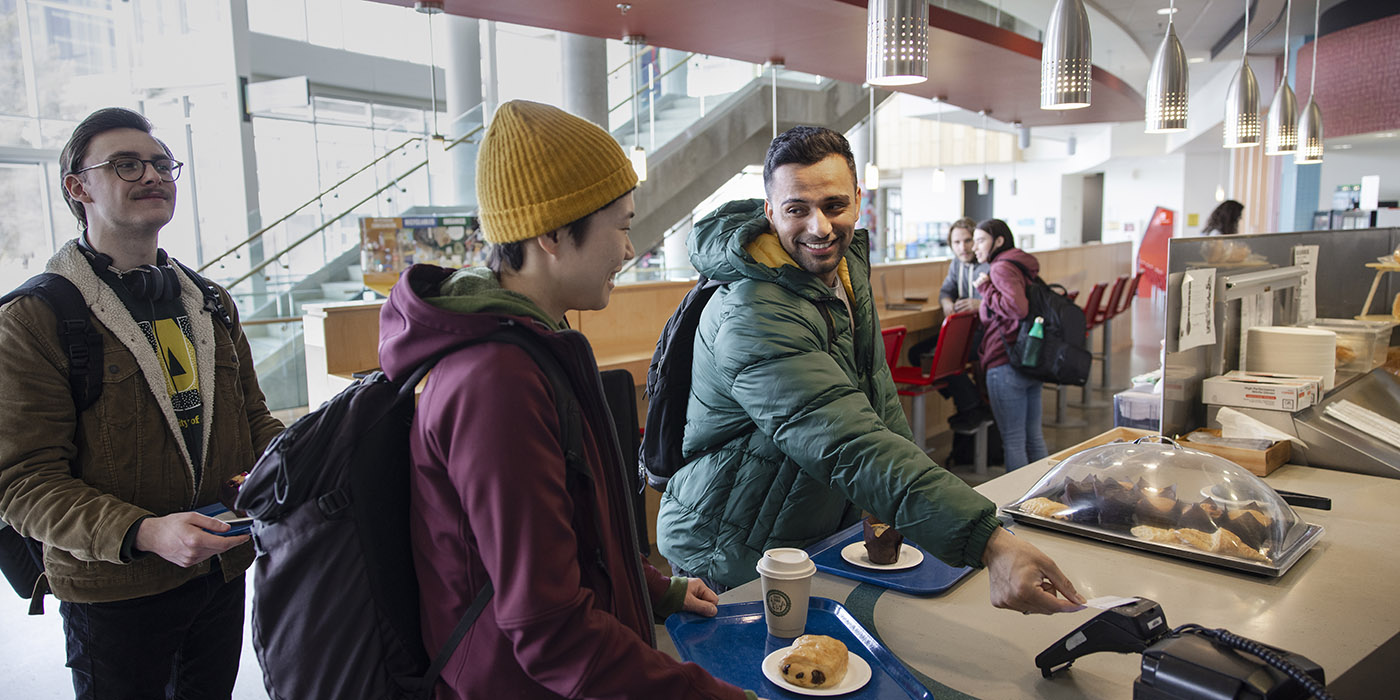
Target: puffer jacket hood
point(737, 241)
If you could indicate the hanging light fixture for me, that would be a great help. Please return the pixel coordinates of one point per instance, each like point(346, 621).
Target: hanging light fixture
point(1167, 86)
point(637, 155)
point(1310, 124)
point(984, 185)
point(872, 171)
point(1065, 59)
point(896, 44)
point(940, 176)
point(1281, 136)
point(1242, 99)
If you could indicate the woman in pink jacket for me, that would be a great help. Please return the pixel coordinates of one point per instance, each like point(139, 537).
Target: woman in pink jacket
point(1015, 398)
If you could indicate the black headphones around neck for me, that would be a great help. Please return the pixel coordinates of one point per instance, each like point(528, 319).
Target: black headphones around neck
point(158, 282)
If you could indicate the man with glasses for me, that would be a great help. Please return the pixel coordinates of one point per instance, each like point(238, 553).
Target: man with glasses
point(152, 592)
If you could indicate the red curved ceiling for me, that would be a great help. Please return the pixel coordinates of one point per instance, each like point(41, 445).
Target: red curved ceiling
point(972, 64)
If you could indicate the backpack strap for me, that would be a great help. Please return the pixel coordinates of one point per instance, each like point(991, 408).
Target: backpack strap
point(76, 334)
point(213, 303)
point(83, 345)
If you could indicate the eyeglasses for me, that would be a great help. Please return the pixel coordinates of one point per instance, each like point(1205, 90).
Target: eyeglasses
point(132, 169)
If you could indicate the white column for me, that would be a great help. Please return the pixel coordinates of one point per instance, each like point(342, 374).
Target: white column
point(464, 87)
point(585, 72)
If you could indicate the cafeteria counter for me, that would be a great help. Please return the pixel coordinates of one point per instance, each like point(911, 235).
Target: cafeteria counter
point(1335, 606)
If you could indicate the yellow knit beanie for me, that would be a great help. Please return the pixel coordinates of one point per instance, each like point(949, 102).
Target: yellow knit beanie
point(540, 168)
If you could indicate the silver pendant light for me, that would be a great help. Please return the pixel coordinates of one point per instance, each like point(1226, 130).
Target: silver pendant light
point(1168, 84)
point(1281, 136)
point(1310, 124)
point(896, 45)
point(1242, 99)
point(1066, 58)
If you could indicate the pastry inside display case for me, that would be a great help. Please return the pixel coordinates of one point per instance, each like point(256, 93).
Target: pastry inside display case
point(1163, 497)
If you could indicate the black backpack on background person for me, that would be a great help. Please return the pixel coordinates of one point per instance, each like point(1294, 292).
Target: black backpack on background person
point(22, 558)
point(1064, 353)
point(335, 601)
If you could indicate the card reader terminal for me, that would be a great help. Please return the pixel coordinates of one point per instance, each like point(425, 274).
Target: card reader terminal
point(1129, 628)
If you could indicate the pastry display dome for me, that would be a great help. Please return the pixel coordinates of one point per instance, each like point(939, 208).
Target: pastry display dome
point(1165, 498)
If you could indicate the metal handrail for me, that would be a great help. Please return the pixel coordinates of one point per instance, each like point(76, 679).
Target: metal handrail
point(653, 81)
point(392, 183)
point(308, 203)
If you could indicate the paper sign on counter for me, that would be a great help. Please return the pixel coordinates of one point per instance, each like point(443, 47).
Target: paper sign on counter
point(1306, 257)
point(1197, 309)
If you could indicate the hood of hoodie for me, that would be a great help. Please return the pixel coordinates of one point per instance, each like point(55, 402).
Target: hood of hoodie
point(1020, 256)
point(736, 242)
point(434, 308)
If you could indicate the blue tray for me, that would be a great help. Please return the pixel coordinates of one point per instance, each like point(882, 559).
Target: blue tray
point(931, 577)
point(732, 645)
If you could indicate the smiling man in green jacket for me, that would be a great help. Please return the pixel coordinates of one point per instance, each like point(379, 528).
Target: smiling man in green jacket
point(793, 424)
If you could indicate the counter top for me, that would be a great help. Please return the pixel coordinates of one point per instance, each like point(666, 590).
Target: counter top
point(1335, 606)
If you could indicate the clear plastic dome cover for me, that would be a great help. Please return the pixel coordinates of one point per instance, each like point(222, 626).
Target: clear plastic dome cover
point(1170, 499)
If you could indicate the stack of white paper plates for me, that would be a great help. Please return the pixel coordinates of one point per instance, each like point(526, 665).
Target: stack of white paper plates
point(1291, 350)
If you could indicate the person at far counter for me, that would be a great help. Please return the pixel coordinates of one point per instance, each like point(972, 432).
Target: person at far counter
point(1224, 220)
point(500, 496)
point(793, 424)
point(1015, 397)
point(956, 295)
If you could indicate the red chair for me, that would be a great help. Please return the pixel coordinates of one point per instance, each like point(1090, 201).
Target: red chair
point(1131, 293)
point(1106, 314)
point(950, 359)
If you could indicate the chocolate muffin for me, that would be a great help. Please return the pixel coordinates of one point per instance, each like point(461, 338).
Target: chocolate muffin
point(1158, 510)
point(882, 542)
point(1083, 504)
point(1117, 501)
point(1206, 516)
point(1250, 524)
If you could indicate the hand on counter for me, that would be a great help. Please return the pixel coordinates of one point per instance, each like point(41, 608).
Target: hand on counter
point(1024, 579)
point(699, 599)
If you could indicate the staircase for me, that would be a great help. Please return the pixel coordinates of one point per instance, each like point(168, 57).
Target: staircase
point(699, 144)
point(697, 154)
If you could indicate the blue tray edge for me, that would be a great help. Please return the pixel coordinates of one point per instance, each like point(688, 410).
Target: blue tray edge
point(875, 580)
point(886, 658)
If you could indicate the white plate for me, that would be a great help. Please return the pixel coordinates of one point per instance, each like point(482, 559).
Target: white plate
point(857, 675)
point(909, 557)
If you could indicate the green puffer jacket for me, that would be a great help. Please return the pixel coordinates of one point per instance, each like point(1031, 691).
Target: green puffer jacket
point(795, 438)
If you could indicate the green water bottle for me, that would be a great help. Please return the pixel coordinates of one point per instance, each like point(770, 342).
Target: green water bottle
point(1030, 355)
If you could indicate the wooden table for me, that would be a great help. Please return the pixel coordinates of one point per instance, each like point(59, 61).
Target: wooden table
point(1335, 606)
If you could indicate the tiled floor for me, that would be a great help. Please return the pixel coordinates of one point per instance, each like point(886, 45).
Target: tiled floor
point(32, 649)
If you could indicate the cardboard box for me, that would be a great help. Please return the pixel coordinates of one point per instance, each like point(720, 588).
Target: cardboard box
point(1258, 392)
point(1258, 462)
point(1313, 380)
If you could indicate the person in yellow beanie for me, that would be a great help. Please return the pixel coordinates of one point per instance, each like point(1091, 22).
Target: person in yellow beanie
point(504, 493)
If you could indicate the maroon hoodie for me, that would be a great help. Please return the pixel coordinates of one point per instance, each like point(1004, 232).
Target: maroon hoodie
point(1003, 304)
point(571, 616)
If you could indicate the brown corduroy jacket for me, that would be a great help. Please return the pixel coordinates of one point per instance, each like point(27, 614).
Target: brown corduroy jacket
point(127, 447)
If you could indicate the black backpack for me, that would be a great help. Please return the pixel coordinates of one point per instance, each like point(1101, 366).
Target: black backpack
point(668, 386)
point(335, 603)
point(1064, 353)
point(22, 558)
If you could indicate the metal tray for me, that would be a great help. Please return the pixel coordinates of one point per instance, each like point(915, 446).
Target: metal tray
point(930, 578)
point(1279, 566)
point(732, 644)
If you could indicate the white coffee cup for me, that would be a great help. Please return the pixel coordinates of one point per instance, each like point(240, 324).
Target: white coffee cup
point(786, 574)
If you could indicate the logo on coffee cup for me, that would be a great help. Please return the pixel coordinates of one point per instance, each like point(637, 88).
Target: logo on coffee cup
point(779, 603)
